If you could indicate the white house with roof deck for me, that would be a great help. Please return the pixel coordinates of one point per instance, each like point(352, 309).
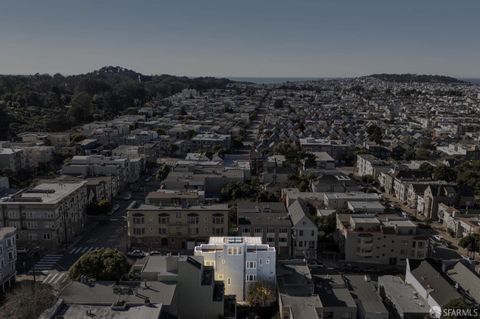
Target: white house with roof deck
point(239, 262)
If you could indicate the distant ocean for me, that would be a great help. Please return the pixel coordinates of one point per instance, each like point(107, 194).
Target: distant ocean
point(474, 81)
point(274, 80)
point(266, 80)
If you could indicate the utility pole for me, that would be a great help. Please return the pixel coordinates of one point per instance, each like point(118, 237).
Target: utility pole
point(65, 228)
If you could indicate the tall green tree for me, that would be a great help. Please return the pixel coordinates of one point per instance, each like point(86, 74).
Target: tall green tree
point(103, 264)
point(469, 174)
point(81, 109)
point(4, 124)
point(471, 242)
point(444, 173)
point(374, 133)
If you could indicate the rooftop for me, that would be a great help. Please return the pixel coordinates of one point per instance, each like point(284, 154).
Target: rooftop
point(47, 193)
point(72, 311)
point(105, 293)
point(333, 292)
point(365, 292)
point(5, 231)
point(235, 240)
point(403, 295)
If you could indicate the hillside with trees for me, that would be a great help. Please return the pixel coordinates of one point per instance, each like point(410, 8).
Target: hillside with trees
point(43, 102)
point(420, 78)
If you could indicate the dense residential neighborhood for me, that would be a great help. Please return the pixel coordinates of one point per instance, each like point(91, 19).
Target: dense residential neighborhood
point(342, 198)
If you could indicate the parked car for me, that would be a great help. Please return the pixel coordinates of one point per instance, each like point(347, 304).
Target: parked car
point(127, 196)
point(312, 262)
point(467, 259)
point(154, 252)
point(136, 254)
point(115, 208)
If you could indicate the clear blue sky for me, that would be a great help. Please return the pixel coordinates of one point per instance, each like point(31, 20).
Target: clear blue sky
point(242, 37)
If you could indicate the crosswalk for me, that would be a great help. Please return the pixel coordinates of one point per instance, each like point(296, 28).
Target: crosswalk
point(56, 278)
point(47, 262)
point(83, 250)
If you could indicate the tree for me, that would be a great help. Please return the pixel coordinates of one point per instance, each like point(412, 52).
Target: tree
point(428, 146)
point(104, 264)
point(368, 179)
point(163, 172)
point(327, 224)
point(471, 242)
point(260, 294)
point(290, 151)
point(444, 173)
point(81, 109)
point(172, 148)
point(191, 134)
point(27, 301)
point(374, 133)
point(309, 159)
point(469, 174)
point(183, 111)
point(302, 181)
point(160, 131)
point(102, 207)
point(422, 154)
point(4, 124)
point(278, 104)
point(426, 167)
point(250, 189)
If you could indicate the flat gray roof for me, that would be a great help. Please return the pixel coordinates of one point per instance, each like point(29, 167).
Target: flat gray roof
point(101, 293)
point(333, 291)
point(69, 311)
point(365, 205)
point(366, 293)
point(402, 295)
point(48, 192)
point(302, 307)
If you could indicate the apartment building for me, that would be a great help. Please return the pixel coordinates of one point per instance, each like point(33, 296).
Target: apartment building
point(204, 142)
point(341, 200)
point(57, 139)
point(388, 240)
point(175, 227)
point(338, 151)
point(366, 165)
point(13, 159)
point(35, 155)
point(239, 262)
point(128, 170)
point(48, 215)
point(459, 223)
point(268, 220)
point(8, 257)
point(103, 187)
point(166, 197)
